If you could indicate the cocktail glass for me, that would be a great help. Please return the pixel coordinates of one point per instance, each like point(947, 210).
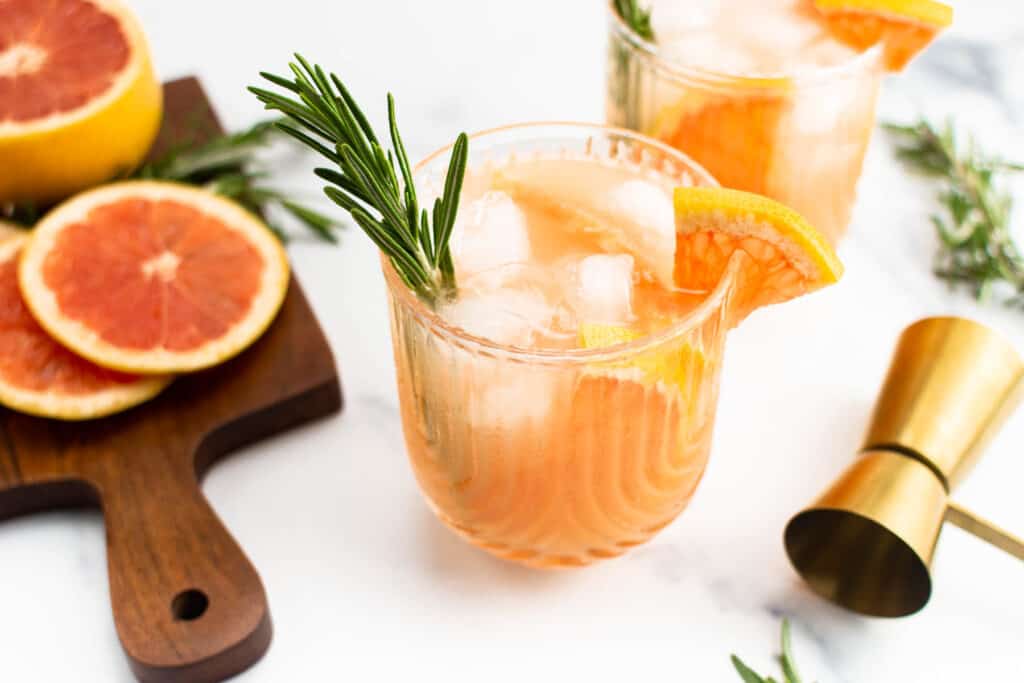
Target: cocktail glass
point(799, 137)
point(559, 457)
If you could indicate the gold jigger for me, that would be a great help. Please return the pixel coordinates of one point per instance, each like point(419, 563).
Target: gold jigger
point(867, 543)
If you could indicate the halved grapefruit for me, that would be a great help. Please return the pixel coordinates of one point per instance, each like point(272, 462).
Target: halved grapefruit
point(904, 27)
point(783, 256)
point(79, 101)
point(40, 377)
point(153, 277)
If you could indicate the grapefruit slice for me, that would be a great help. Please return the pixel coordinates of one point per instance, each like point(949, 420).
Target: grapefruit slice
point(40, 377)
point(153, 277)
point(733, 135)
point(610, 210)
point(904, 27)
point(79, 101)
point(780, 255)
point(672, 367)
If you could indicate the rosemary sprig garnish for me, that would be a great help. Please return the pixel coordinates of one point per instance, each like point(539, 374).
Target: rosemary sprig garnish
point(977, 248)
point(786, 660)
point(226, 165)
point(638, 19)
point(322, 114)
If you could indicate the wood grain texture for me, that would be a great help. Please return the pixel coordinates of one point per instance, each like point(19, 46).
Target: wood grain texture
point(188, 605)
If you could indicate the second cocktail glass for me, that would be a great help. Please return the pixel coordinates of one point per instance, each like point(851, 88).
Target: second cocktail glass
point(756, 92)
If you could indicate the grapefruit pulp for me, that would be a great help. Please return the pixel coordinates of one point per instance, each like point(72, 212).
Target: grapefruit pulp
point(732, 134)
point(79, 101)
point(153, 277)
point(40, 377)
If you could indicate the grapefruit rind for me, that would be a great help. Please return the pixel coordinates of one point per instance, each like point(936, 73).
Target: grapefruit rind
point(786, 256)
point(55, 156)
point(55, 405)
point(929, 12)
point(903, 27)
point(84, 341)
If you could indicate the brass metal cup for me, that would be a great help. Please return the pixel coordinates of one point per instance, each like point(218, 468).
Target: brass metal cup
point(867, 543)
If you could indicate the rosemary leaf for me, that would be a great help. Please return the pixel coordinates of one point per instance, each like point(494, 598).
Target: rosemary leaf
point(746, 673)
point(316, 222)
point(638, 19)
point(375, 186)
point(786, 660)
point(977, 250)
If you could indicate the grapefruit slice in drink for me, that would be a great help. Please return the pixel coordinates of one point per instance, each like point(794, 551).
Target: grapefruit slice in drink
point(79, 101)
point(732, 134)
point(40, 377)
point(153, 277)
point(904, 27)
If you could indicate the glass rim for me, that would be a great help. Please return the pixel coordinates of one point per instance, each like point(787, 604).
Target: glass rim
point(716, 299)
point(782, 81)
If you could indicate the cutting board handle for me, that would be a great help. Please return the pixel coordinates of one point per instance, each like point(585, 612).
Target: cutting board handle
point(188, 604)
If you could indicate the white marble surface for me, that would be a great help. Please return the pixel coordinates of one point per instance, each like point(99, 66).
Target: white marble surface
point(365, 585)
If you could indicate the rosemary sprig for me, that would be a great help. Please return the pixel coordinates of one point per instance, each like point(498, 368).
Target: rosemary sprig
point(786, 660)
point(977, 249)
point(638, 19)
point(322, 114)
point(226, 165)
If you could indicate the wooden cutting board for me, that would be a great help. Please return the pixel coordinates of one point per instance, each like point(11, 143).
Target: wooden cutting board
point(188, 605)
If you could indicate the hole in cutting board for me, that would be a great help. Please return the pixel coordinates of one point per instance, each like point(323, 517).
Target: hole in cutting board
point(189, 605)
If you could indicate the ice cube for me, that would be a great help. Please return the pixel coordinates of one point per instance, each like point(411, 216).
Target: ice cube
point(513, 317)
point(824, 52)
point(669, 19)
point(489, 241)
point(840, 107)
point(707, 50)
point(603, 289)
point(647, 224)
point(778, 36)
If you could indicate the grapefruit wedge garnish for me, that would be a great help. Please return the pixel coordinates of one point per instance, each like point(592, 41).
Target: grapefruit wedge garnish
point(903, 27)
point(780, 255)
point(79, 101)
point(153, 277)
point(40, 377)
